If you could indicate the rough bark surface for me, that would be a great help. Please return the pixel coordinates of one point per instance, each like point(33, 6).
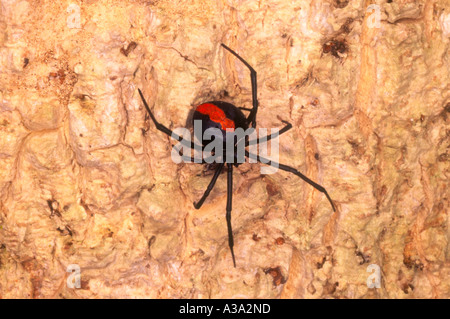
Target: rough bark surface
point(87, 180)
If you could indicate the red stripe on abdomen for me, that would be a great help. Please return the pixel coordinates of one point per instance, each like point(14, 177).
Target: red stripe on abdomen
point(216, 114)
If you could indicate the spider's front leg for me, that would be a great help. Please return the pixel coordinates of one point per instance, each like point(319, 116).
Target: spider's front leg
point(229, 201)
point(229, 206)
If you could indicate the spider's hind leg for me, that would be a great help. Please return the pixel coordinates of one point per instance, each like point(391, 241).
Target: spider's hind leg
point(166, 130)
point(251, 119)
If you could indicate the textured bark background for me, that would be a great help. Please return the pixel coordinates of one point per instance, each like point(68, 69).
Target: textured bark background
point(87, 180)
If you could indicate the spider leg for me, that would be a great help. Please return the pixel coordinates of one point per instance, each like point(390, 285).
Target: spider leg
point(210, 186)
point(164, 129)
point(294, 171)
point(245, 109)
point(252, 116)
point(228, 216)
point(269, 137)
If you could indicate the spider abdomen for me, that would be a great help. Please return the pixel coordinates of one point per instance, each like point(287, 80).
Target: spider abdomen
point(217, 114)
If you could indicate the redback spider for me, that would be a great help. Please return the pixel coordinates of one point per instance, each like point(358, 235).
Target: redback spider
point(223, 115)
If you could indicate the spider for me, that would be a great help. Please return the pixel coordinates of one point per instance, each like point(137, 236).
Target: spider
point(226, 116)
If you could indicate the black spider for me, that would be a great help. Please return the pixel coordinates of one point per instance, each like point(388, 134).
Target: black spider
point(223, 115)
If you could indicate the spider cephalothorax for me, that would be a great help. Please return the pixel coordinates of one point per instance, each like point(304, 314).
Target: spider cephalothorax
point(226, 117)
